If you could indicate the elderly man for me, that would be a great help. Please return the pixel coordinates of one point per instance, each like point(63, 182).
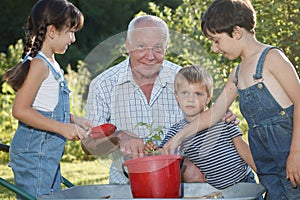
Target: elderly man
point(139, 89)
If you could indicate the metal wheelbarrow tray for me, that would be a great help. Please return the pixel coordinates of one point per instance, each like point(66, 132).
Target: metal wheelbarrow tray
point(240, 191)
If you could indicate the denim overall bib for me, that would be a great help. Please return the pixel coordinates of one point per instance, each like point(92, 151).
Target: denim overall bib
point(35, 154)
point(270, 134)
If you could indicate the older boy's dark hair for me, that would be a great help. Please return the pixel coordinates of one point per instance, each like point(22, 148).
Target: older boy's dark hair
point(223, 15)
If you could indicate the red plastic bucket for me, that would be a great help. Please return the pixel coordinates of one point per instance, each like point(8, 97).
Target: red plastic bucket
point(155, 176)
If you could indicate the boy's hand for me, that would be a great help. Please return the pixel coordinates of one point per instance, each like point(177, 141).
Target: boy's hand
point(293, 169)
point(172, 145)
point(150, 147)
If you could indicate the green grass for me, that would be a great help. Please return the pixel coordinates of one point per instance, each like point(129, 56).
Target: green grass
point(78, 173)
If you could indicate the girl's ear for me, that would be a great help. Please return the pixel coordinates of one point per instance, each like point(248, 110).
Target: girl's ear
point(237, 32)
point(51, 31)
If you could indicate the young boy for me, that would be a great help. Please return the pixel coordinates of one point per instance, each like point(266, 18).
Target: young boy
point(220, 151)
point(267, 85)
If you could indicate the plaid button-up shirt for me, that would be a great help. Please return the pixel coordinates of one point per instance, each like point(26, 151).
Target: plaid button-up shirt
point(115, 98)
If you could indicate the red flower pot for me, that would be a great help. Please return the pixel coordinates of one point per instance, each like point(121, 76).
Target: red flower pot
point(155, 176)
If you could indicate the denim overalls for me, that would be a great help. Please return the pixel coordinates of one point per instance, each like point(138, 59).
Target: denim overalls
point(35, 155)
point(270, 135)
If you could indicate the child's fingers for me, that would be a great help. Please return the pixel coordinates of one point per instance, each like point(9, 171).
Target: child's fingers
point(148, 147)
point(81, 136)
point(151, 145)
point(81, 133)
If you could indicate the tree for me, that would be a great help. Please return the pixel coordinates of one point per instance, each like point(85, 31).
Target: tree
point(103, 19)
point(277, 24)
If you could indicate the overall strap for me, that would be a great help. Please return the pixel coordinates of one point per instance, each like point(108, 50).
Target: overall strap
point(236, 80)
point(56, 74)
point(258, 73)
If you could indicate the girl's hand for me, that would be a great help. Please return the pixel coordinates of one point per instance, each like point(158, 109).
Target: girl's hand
point(82, 122)
point(293, 169)
point(73, 132)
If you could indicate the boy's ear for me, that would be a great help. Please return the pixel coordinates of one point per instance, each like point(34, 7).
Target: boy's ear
point(237, 32)
point(208, 99)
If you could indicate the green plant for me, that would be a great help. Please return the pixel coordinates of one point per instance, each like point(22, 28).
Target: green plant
point(8, 124)
point(155, 134)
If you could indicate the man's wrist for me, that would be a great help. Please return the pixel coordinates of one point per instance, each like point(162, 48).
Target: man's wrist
point(116, 138)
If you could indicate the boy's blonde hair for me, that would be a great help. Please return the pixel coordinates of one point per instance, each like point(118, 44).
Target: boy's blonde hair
point(194, 74)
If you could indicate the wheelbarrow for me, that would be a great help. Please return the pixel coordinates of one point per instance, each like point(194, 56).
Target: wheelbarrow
point(239, 191)
point(19, 191)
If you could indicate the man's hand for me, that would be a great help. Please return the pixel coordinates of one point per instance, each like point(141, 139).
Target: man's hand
point(130, 144)
point(101, 146)
point(190, 173)
point(230, 117)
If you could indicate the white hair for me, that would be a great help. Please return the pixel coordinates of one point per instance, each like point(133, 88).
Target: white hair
point(156, 21)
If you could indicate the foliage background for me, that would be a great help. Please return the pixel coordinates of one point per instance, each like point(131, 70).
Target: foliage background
point(277, 24)
point(103, 18)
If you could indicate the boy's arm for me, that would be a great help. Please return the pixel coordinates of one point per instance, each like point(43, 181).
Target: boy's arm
point(206, 118)
point(284, 68)
point(244, 151)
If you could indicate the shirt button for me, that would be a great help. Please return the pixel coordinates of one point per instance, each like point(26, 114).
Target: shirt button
point(282, 113)
point(260, 86)
point(61, 84)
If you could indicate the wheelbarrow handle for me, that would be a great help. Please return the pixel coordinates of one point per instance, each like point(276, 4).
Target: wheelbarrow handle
point(16, 190)
point(4, 147)
point(66, 182)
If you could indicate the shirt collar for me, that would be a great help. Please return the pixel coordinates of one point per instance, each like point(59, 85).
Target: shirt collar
point(125, 73)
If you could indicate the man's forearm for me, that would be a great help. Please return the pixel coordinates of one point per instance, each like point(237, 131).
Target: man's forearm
point(100, 147)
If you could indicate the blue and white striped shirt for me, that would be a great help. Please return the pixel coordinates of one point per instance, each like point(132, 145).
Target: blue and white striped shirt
point(115, 98)
point(214, 153)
